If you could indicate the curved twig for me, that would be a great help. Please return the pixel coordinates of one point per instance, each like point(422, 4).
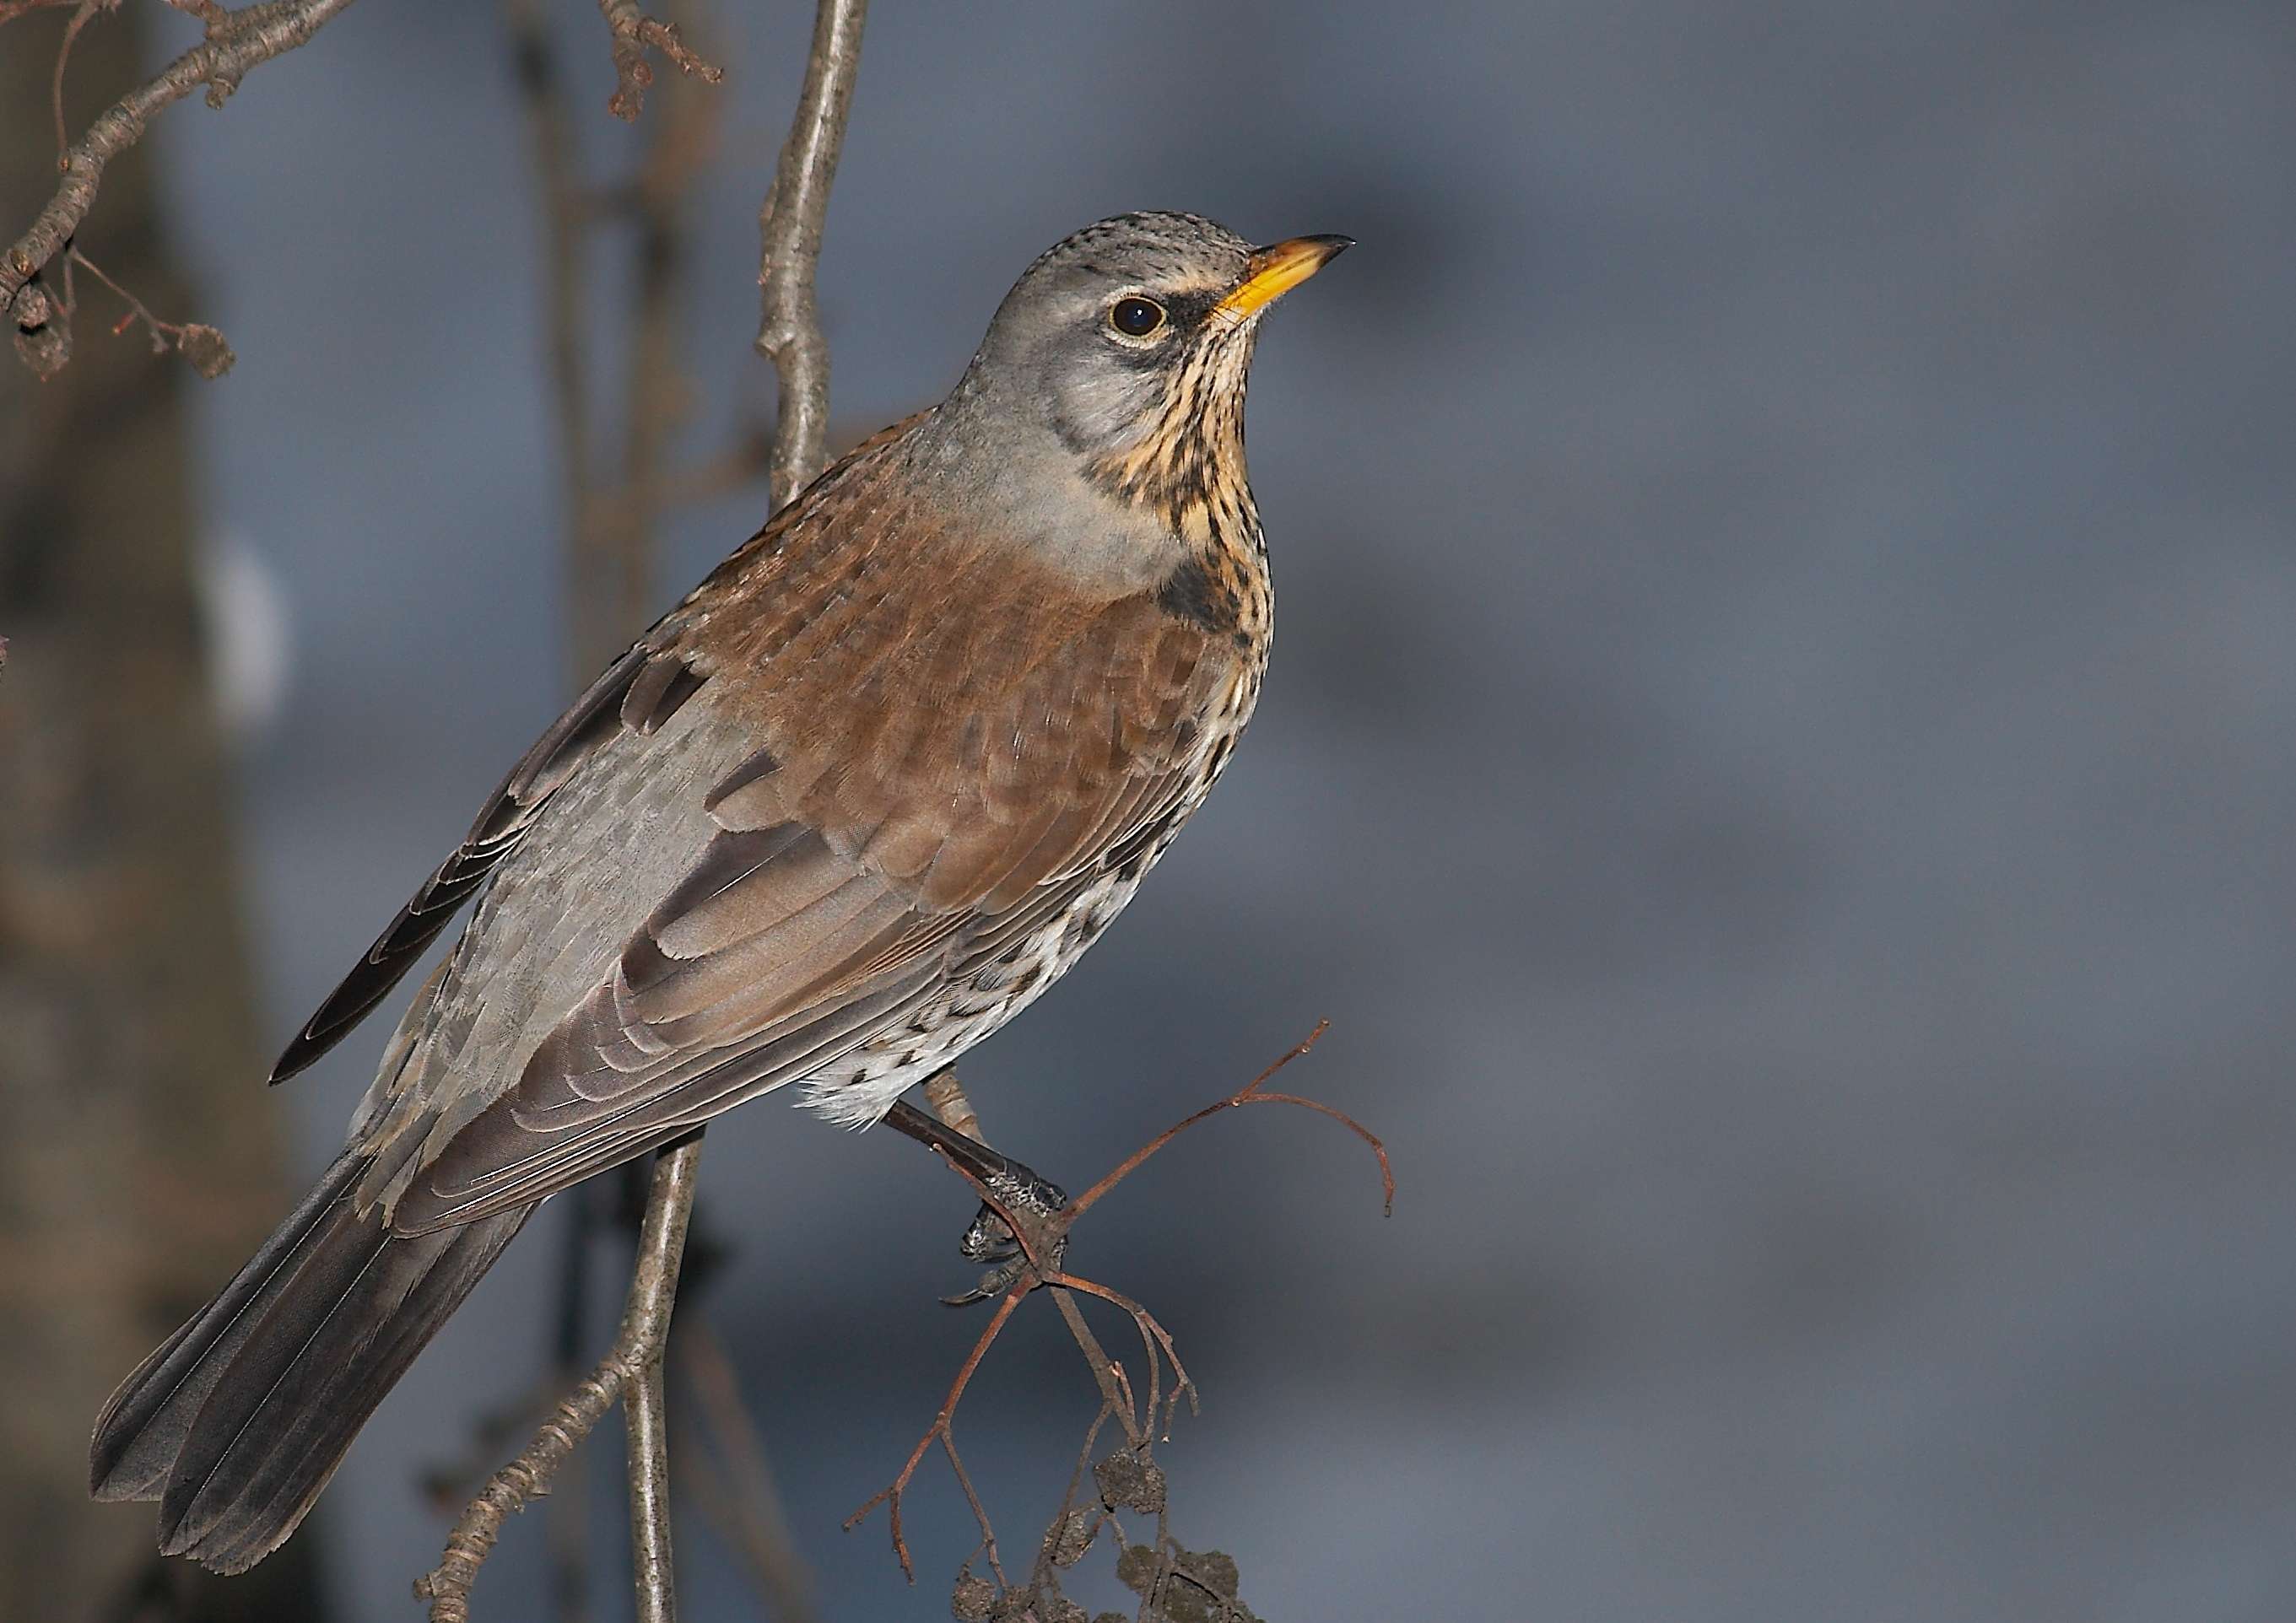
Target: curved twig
point(1248, 1094)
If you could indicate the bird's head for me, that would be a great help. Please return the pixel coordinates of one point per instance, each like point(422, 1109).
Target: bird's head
point(1131, 343)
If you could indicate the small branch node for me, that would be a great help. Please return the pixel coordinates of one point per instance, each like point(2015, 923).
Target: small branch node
point(633, 34)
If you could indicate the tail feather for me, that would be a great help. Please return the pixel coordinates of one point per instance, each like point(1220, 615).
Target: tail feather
point(144, 1426)
point(239, 1419)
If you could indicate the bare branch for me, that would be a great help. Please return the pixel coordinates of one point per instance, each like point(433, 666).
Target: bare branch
point(632, 1369)
point(202, 346)
point(789, 225)
point(1248, 1094)
point(650, 1563)
point(636, 1348)
point(633, 33)
point(938, 1432)
point(10, 10)
point(240, 40)
point(1131, 1477)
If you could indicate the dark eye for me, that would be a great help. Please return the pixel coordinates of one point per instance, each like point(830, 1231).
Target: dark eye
point(1137, 318)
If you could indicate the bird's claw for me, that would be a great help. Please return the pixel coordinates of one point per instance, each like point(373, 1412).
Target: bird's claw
point(1015, 1265)
point(1038, 1203)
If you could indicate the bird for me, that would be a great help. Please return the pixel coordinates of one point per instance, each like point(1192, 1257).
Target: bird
point(848, 807)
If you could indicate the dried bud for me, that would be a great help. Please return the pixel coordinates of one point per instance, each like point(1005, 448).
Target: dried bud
point(1130, 1481)
point(43, 331)
point(971, 1600)
point(204, 349)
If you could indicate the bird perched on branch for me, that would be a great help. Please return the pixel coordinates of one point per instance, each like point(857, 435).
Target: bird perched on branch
point(851, 806)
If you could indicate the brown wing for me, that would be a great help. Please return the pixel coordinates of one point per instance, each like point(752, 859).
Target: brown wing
point(931, 785)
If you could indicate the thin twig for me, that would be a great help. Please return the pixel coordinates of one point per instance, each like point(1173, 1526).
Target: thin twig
point(1042, 1238)
point(633, 32)
point(1115, 1389)
point(79, 19)
point(638, 1346)
point(1248, 1094)
point(788, 228)
point(891, 1495)
point(243, 39)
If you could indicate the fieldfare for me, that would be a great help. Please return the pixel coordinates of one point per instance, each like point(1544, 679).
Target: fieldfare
point(844, 811)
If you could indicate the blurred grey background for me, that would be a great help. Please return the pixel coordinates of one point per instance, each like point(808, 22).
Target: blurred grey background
point(1777, 764)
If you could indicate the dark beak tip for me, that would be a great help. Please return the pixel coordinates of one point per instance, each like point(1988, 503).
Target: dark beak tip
point(1332, 245)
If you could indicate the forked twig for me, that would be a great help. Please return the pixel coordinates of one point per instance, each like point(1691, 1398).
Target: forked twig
point(234, 44)
point(1042, 1239)
point(1249, 1094)
point(638, 1349)
point(202, 346)
point(633, 33)
point(938, 1432)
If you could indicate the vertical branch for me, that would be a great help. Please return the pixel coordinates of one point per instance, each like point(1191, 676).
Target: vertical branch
point(646, 1329)
point(637, 1346)
point(789, 226)
point(791, 333)
point(568, 1538)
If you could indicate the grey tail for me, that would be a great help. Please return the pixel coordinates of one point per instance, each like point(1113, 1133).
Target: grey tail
point(237, 1420)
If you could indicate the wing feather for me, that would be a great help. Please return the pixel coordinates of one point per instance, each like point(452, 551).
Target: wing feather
point(509, 813)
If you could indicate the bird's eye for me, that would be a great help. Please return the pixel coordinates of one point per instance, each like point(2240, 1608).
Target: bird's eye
point(1135, 317)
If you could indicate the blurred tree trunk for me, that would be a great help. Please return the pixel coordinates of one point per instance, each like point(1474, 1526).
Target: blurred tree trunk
point(141, 1157)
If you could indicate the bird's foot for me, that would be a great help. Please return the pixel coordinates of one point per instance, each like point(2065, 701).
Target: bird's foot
point(1039, 1207)
point(1023, 1227)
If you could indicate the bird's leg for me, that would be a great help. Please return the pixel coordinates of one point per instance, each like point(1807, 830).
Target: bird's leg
point(1022, 1220)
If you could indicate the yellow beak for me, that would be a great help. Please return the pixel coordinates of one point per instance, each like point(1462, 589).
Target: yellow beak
point(1276, 269)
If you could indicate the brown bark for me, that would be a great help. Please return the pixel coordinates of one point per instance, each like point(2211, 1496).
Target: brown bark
point(142, 1159)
